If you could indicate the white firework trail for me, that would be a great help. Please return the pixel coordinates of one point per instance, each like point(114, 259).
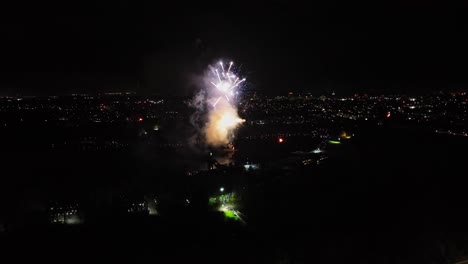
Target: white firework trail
point(217, 101)
point(225, 82)
point(229, 69)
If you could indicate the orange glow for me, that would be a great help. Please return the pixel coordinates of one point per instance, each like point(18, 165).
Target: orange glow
point(345, 135)
point(222, 122)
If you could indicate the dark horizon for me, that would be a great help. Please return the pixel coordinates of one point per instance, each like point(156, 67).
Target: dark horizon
point(324, 91)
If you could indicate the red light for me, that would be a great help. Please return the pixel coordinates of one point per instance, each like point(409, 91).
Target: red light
point(388, 115)
point(140, 119)
point(280, 140)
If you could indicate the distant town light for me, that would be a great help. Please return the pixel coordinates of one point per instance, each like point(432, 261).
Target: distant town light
point(316, 151)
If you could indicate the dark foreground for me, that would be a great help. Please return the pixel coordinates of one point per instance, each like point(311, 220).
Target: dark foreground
point(389, 195)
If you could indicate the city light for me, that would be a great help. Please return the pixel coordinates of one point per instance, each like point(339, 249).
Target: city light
point(344, 135)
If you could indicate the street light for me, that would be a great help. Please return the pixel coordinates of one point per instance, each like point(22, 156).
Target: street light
point(221, 189)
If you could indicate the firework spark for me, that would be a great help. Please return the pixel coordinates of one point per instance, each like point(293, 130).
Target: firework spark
point(225, 83)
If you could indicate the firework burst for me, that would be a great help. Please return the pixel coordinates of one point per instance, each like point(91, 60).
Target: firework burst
point(225, 82)
point(222, 117)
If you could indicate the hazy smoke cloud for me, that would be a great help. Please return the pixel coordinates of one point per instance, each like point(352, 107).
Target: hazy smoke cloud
point(222, 121)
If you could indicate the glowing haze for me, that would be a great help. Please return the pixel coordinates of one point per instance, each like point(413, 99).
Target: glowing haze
point(223, 119)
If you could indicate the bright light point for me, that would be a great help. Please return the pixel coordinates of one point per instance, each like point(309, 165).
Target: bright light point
point(316, 151)
point(228, 120)
point(221, 189)
point(251, 166)
point(140, 119)
point(224, 86)
point(280, 140)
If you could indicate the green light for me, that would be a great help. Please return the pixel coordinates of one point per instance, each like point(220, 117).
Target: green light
point(230, 214)
point(334, 142)
point(226, 203)
point(212, 201)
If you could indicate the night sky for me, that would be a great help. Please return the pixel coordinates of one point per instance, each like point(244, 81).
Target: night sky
point(158, 48)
